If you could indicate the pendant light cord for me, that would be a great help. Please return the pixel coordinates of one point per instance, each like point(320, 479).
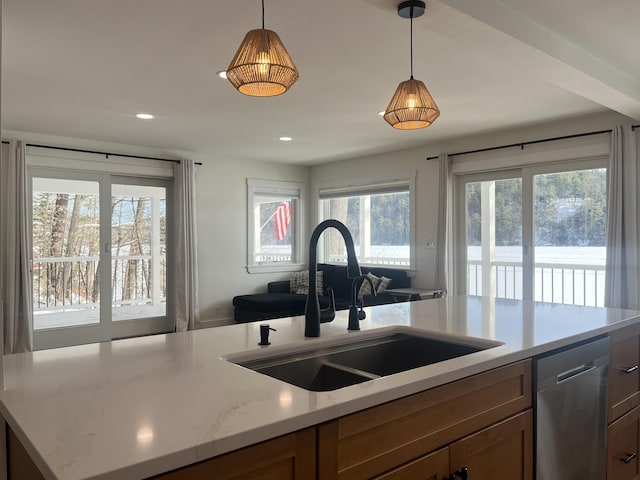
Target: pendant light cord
point(410, 39)
point(263, 14)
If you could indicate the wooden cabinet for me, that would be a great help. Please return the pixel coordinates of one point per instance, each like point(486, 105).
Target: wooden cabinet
point(622, 449)
point(623, 433)
point(466, 416)
point(288, 457)
point(19, 463)
point(503, 450)
point(624, 374)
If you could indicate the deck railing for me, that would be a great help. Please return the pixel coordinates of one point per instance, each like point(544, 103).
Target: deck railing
point(271, 257)
point(387, 261)
point(64, 282)
point(574, 284)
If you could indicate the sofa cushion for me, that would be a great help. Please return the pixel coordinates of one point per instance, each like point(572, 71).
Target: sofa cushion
point(270, 302)
point(337, 278)
point(383, 284)
point(328, 271)
point(340, 283)
point(274, 302)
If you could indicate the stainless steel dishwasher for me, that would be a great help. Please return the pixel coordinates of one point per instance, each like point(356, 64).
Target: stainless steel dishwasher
point(571, 411)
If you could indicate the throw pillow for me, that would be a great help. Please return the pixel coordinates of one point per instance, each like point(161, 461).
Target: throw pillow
point(383, 284)
point(365, 287)
point(299, 282)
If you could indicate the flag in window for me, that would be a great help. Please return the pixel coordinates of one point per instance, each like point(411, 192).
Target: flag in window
point(282, 217)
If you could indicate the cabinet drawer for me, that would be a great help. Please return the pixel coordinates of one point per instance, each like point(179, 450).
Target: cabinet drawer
point(623, 448)
point(290, 457)
point(624, 374)
point(379, 439)
point(433, 466)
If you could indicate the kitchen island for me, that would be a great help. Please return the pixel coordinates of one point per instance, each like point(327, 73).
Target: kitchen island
point(135, 408)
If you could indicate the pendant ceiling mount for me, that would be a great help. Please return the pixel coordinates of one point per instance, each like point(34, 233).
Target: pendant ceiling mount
point(411, 106)
point(411, 9)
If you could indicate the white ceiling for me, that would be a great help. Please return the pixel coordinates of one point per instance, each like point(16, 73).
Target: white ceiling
point(82, 68)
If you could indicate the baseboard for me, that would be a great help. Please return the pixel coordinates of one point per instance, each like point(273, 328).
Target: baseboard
point(215, 322)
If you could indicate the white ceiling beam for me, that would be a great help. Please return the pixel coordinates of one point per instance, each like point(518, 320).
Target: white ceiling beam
point(530, 47)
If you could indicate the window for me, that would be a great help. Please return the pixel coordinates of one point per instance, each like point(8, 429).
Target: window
point(99, 250)
point(536, 233)
point(274, 220)
point(379, 216)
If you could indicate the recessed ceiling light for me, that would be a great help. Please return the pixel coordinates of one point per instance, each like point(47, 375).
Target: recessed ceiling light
point(144, 116)
point(285, 139)
point(222, 74)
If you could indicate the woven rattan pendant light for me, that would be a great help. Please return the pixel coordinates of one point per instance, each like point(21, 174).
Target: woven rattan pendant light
point(262, 66)
point(412, 106)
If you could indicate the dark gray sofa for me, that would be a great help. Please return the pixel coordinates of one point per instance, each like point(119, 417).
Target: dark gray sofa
point(279, 302)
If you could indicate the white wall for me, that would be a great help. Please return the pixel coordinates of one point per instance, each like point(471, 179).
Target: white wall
point(222, 231)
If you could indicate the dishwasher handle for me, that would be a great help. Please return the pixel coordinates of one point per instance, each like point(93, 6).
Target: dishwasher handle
point(574, 372)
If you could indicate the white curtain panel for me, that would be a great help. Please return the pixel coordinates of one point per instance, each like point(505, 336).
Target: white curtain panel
point(16, 252)
point(621, 286)
point(445, 225)
point(186, 262)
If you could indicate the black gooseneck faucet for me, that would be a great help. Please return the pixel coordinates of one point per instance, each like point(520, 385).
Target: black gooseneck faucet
point(313, 315)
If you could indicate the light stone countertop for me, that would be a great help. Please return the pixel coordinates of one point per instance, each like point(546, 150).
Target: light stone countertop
point(130, 409)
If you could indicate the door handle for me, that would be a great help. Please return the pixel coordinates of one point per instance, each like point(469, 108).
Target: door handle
point(629, 369)
point(629, 458)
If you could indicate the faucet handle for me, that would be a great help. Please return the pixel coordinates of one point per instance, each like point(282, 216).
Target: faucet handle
point(328, 314)
point(361, 313)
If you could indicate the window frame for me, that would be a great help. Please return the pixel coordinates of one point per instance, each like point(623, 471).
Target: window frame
point(526, 173)
point(374, 186)
point(69, 165)
point(294, 190)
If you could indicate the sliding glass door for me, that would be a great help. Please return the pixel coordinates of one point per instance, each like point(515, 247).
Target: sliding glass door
point(66, 253)
point(569, 223)
point(99, 247)
point(494, 237)
point(534, 233)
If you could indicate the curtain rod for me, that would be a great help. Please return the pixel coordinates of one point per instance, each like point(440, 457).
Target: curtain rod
point(523, 144)
point(634, 127)
point(106, 154)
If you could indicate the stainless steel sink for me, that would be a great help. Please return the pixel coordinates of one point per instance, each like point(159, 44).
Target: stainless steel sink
point(344, 362)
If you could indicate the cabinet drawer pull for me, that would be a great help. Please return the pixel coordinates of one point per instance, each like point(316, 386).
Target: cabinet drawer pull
point(629, 458)
point(630, 369)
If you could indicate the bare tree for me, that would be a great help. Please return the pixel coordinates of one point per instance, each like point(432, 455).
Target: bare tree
point(70, 247)
point(56, 248)
point(135, 268)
